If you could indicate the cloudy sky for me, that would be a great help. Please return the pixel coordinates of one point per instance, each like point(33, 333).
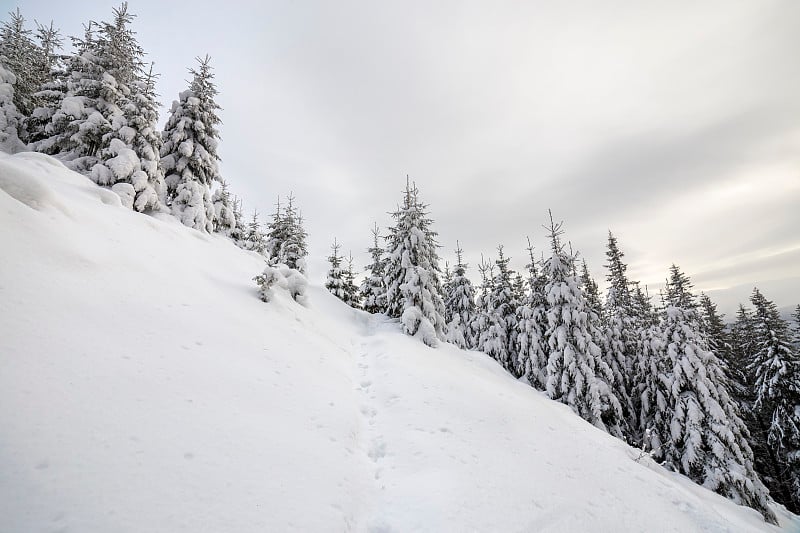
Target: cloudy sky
point(675, 124)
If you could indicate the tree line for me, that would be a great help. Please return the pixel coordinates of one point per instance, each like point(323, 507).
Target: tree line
point(718, 403)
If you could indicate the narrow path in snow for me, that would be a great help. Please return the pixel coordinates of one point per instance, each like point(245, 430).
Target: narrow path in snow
point(373, 439)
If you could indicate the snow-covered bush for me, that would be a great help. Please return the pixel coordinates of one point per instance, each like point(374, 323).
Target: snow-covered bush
point(282, 277)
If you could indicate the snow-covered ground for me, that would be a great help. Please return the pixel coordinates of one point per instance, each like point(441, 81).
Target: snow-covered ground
point(145, 387)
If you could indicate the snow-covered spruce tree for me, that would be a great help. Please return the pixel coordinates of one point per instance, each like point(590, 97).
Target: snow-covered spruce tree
point(742, 342)
point(350, 288)
point(286, 238)
point(9, 115)
point(68, 133)
point(796, 329)
point(576, 373)
point(20, 55)
point(480, 324)
point(612, 353)
point(447, 279)
point(775, 368)
point(131, 160)
point(413, 292)
point(189, 154)
point(239, 230)
point(590, 290)
point(460, 305)
point(111, 64)
point(713, 326)
point(498, 340)
point(531, 347)
point(373, 288)
point(52, 88)
point(254, 238)
point(705, 438)
point(293, 250)
point(622, 340)
point(335, 282)
point(224, 211)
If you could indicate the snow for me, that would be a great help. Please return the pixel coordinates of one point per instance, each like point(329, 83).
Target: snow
point(146, 387)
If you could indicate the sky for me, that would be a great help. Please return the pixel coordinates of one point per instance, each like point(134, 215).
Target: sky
point(675, 125)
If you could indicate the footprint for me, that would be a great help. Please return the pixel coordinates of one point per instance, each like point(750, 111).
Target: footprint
point(377, 450)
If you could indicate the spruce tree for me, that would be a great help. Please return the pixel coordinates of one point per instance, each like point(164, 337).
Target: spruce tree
point(498, 340)
point(623, 342)
point(413, 290)
point(189, 153)
point(796, 329)
point(224, 211)
point(532, 349)
point(775, 369)
point(291, 250)
point(52, 88)
point(239, 230)
point(742, 347)
point(590, 290)
point(131, 159)
point(705, 438)
point(69, 102)
point(9, 115)
point(335, 282)
point(460, 305)
point(20, 55)
point(711, 321)
point(112, 65)
point(480, 323)
point(254, 238)
point(350, 288)
point(576, 372)
point(373, 288)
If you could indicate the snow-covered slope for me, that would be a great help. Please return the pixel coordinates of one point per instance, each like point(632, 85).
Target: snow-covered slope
point(145, 387)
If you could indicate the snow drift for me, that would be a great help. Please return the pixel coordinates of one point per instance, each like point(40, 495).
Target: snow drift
point(144, 386)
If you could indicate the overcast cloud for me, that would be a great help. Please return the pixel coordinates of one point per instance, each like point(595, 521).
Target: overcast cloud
point(674, 124)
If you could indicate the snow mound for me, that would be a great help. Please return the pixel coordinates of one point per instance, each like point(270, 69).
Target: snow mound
point(146, 387)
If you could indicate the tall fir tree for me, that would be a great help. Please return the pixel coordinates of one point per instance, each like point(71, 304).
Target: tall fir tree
point(775, 369)
point(68, 102)
point(713, 325)
point(796, 329)
point(623, 343)
point(413, 291)
point(705, 437)
point(498, 340)
point(189, 153)
point(460, 305)
point(532, 350)
point(52, 87)
point(292, 250)
point(480, 323)
point(335, 282)
point(9, 115)
point(131, 161)
point(254, 238)
point(350, 288)
point(576, 372)
point(20, 55)
point(112, 65)
point(373, 288)
point(224, 211)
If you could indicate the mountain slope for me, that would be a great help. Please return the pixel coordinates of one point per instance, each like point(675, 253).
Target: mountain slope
point(145, 387)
